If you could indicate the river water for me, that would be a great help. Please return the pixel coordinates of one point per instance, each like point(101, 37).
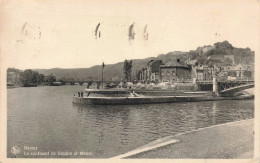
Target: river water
point(44, 117)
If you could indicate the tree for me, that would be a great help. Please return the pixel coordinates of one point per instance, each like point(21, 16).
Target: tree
point(228, 61)
point(63, 81)
point(42, 78)
point(71, 80)
point(31, 78)
point(26, 77)
point(223, 45)
point(36, 78)
point(50, 80)
point(127, 70)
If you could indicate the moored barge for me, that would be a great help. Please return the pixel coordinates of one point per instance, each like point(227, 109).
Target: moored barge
point(129, 97)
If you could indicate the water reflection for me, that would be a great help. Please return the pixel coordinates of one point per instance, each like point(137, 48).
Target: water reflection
point(126, 127)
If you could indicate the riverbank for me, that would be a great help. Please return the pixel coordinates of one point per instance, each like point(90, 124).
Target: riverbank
point(227, 141)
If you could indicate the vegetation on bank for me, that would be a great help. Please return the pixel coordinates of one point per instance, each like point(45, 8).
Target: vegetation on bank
point(29, 78)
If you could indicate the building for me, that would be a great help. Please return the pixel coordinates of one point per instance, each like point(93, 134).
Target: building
point(239, 72)
point(175, 72)
point(150, 73)
point(153, 69)
point(204, 72)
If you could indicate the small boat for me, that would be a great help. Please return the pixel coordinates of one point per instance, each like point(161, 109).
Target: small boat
point(129, 97)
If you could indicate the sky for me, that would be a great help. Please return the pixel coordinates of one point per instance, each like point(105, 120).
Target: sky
point(50, 34)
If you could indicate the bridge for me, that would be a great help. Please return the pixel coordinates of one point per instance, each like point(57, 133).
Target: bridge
point(229, 84)
point(230, 91)
point(225, 88)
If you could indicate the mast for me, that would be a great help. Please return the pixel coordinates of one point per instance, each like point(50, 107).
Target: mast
point(103, 65)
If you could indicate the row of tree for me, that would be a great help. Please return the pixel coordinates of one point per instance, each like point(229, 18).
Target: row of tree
point(29, 78)
point(33, 78)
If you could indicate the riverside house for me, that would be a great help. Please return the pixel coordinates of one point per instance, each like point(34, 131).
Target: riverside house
point(175, 71)
point(150, 73)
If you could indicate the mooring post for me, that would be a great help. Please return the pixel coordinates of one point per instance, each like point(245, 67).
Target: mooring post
point(215, 85)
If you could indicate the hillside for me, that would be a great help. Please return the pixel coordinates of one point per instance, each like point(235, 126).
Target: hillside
point(110, 70)
point(201, 54)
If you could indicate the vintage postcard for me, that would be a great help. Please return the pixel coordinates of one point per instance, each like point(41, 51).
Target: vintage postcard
point(127, 80)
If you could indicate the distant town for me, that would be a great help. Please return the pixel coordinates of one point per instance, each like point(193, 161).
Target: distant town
point(221, 60)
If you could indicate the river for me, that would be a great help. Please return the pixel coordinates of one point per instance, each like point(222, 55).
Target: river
point(45, 118)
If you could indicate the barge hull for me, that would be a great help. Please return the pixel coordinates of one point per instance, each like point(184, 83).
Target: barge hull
point(150, 100)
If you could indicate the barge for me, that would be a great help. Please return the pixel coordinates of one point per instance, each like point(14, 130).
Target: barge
point(129, 97)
